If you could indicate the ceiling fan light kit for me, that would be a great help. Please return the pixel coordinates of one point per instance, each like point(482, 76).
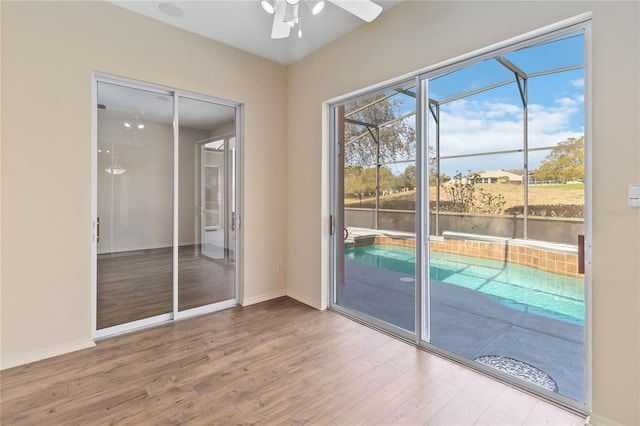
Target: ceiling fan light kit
point(291, 14)
point(286, 13)
point(269, 6)
point(315, 6)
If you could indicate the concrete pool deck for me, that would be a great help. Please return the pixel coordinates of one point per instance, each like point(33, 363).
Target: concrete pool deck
point(471, 324)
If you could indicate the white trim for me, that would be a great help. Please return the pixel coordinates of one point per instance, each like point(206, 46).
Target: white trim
point(94, 203)
point(207, 309)
point(175, 201)
point(40, 354)
point(596, 420)
point(132, 326)
point(588, 217)
point(263, 297)
point(423, 251)
point(239, 193)
point(304, 299)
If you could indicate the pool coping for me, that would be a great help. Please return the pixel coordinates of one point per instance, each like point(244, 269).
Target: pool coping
point(561, 259)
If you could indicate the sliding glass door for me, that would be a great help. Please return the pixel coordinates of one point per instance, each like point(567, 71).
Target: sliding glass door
point(377, 169)
point(165, 205)
point(471, 240)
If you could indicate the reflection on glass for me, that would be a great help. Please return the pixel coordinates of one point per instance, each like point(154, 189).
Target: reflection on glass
point(378, 192)
point(206, 270)
point(134, 174)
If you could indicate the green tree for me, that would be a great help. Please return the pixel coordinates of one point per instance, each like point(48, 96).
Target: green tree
point(408, 178)
point(352, 179)
point(564, 163)
point(396, 138)
point(366, 182)
point(466, 197)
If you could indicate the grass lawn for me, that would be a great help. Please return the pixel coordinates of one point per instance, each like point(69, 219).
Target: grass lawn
point(572, 193)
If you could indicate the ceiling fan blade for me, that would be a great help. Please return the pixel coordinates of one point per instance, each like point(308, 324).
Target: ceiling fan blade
point(363, 9)
point(280, 28)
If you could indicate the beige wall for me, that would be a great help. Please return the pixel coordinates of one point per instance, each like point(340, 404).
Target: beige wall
point(49, 52)
point(415, 35)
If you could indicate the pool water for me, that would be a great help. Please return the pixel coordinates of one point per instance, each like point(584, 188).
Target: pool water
point(519, 287)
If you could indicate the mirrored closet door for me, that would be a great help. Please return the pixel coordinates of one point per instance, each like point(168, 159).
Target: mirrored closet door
point(164, 203)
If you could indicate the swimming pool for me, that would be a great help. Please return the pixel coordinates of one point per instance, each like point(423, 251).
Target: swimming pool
point(519, 287)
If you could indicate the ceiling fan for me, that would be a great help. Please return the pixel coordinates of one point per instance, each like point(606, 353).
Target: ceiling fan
point(286, 12)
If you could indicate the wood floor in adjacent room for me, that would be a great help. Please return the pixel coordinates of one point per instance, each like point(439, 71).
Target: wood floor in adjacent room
point(278, 362)
point(139, 284)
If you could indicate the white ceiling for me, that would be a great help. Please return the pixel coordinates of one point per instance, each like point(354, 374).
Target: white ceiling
point(245, 25)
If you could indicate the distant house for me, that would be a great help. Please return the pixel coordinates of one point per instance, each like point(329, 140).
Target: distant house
point(498, 176)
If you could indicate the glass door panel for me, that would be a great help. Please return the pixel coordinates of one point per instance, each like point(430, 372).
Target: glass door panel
point(206, 272)
point(377, 193)
point(134, 194)
point(506, 288)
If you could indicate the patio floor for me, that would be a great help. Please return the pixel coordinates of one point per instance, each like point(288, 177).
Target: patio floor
point(471, 324)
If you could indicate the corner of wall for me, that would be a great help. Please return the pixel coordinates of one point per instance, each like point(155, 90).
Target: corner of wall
point(595, 420)
point(247, 301)
point(307, 301)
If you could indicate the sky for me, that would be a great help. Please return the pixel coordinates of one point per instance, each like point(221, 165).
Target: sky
point(493, 120)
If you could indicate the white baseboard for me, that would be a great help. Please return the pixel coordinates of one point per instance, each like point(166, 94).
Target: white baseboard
point(596, 420)
point(263, 297)
point(304, 299)
point(16, 360)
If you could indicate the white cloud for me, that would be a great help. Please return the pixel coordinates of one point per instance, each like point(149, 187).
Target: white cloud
point(566, 101)
point(577, 82)
point(474, 127)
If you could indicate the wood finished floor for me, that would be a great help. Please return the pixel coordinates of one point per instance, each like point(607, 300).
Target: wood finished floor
point(278, 362)
point(137, 285)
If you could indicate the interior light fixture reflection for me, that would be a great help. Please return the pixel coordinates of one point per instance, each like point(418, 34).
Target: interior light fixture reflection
point(116, 168)
point(138, 125)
